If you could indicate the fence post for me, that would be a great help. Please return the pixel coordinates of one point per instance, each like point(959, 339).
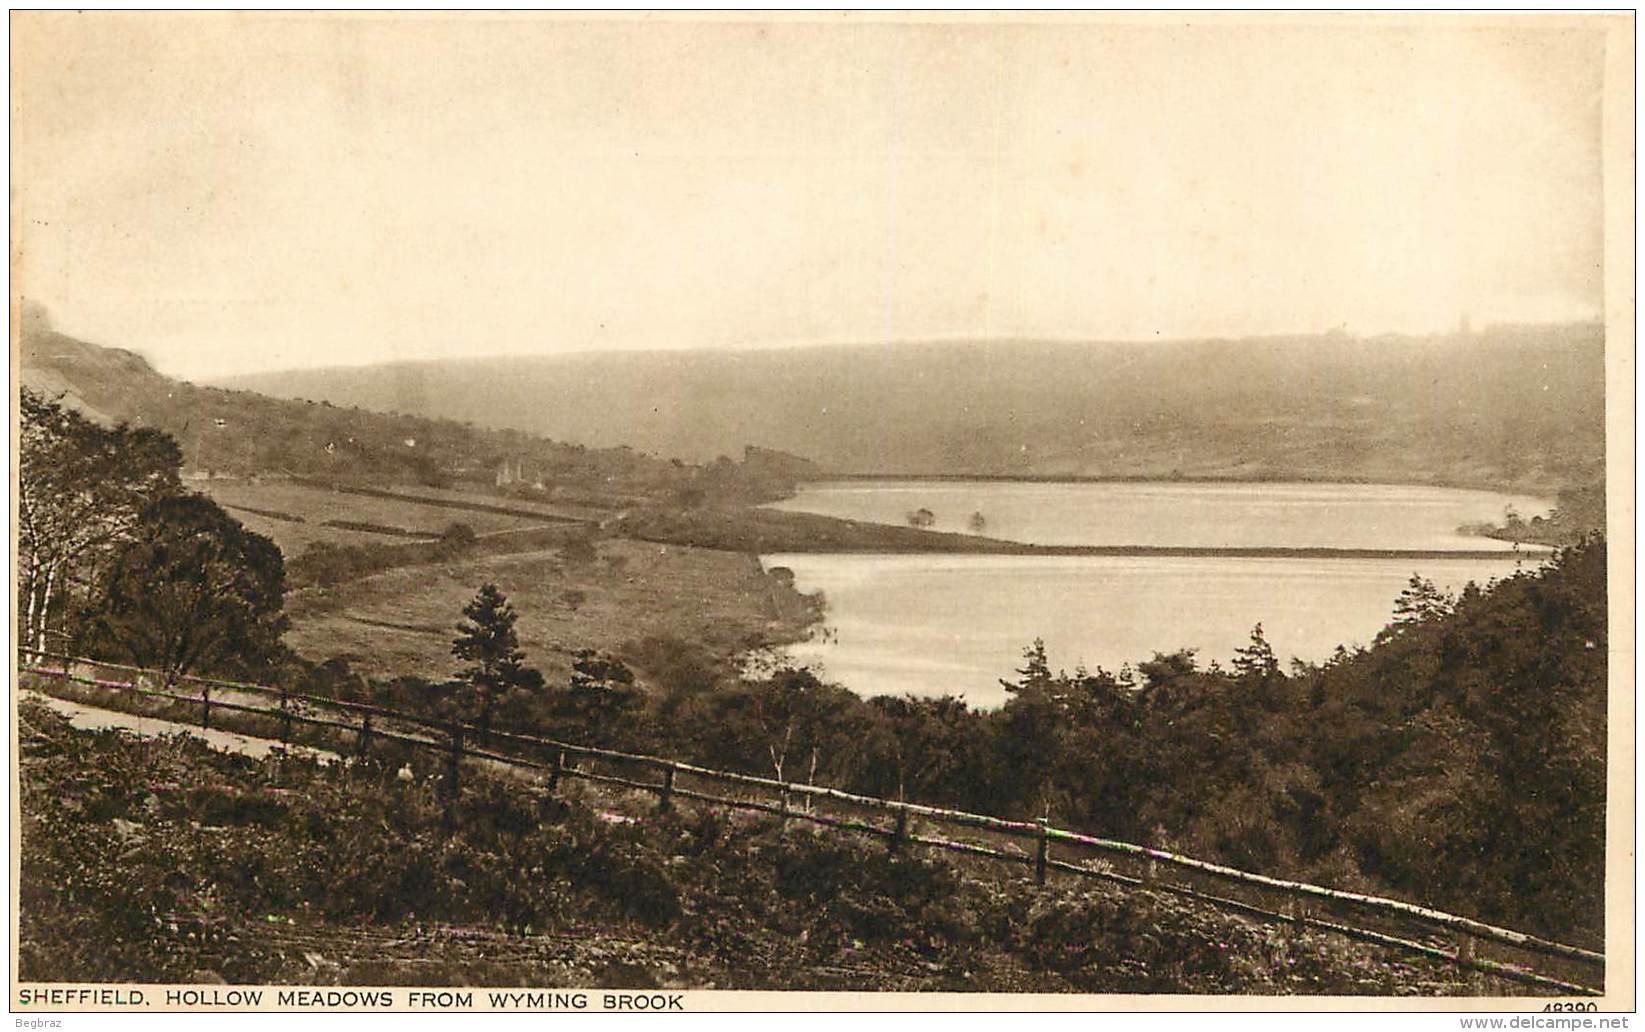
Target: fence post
point(285, 717)
point(364, 745)
point(454, 760)
point(453, 764)
point(1044, 850)
point(900, 834)
point(1465, 956)
point(1156, 840)
point(554, 774)
point(1297, 911)
point(665, 800)
point(205, 707)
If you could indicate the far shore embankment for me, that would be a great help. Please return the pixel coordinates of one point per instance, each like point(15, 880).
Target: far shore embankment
point(1541, 488)
point(1161, 551)
point(762, 531)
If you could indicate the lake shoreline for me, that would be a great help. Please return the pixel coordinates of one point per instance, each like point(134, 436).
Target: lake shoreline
point(1184, 552)
point(1539, 490)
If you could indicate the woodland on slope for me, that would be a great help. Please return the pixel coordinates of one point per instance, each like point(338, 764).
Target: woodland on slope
point(238, 433)
point(1508, 407)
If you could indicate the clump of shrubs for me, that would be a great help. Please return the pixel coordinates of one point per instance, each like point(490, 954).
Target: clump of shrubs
point(160, 860)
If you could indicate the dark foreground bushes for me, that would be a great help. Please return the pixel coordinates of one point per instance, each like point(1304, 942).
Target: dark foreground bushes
point(160, 860)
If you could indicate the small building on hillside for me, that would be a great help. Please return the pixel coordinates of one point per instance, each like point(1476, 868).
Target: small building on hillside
point(515, 475)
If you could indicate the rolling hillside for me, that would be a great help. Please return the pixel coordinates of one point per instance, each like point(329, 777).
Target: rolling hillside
point(1509, 407)
point(240, 432)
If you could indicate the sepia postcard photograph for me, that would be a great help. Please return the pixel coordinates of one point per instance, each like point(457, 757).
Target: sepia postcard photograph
point(822, 511)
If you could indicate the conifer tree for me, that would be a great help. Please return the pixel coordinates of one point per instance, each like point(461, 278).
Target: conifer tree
point(1035, 672)
point(1256, 660)
point(491, 647)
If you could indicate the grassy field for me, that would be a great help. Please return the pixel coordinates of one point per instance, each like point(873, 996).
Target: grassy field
point(402, 621)
point(557, 503)
point(315, 505)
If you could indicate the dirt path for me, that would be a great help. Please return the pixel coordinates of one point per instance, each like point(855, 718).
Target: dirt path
point(92, 718)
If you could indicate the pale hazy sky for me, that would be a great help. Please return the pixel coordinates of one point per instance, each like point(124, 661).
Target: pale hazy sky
point(230, 193)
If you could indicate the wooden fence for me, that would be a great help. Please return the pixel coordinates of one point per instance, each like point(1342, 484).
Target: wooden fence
point(1451, 938)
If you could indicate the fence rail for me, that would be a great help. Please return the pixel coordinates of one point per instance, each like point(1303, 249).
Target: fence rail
point(455, 742)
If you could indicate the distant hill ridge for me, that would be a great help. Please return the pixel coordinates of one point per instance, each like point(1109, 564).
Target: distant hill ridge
point(241, 432)
point(1518, 407)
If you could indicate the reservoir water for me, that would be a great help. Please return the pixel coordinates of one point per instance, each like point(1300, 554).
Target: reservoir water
point(955, 624)
point(1209, 515)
